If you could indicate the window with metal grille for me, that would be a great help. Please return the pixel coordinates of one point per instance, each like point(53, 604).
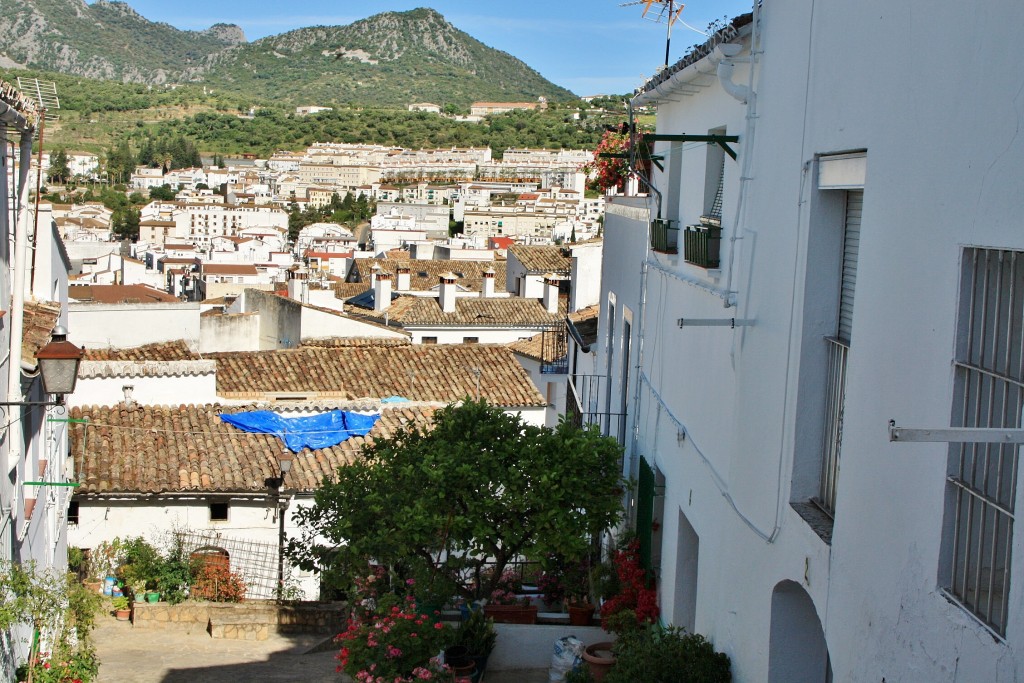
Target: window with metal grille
point(988, 392)
point(838, 350)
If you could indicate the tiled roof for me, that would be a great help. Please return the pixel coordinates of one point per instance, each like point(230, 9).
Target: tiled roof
point(229, 269)
point(470, 311)
point(531, 347)
point(345, 290)
point(542, 259)
point(161, 351)
point(419, 373)
point(345, 342)
point(120, 294)
point(424, 273)
point(157, 449)
point(36, 327)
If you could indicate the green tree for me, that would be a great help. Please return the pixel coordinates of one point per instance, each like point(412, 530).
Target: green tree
point(482, 485)
point(60, 168)
point(165, 192)
point(125, 223)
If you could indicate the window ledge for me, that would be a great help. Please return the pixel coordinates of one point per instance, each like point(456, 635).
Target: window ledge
point(820, 523)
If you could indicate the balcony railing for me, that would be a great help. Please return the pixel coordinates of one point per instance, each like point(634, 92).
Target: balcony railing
point(664, 236)
point(701, 244)
point(835, 399)
point(585, 404)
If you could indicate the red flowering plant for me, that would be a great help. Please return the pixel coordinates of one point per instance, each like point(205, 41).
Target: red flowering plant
point(608, 172)
point(392, 642)
point(636, 602)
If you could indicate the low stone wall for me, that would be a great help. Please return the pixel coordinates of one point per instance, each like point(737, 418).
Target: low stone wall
point(299, 617)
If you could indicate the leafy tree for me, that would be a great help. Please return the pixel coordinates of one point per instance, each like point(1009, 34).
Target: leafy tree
point(125, 223)
point(479, 488)
point(165, 192)
point(60, 168)
point(120, 162)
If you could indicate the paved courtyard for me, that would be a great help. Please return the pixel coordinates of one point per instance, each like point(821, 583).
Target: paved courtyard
point(130, 655)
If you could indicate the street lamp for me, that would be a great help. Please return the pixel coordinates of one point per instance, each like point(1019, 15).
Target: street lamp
point(58, 366)
point(284, 461)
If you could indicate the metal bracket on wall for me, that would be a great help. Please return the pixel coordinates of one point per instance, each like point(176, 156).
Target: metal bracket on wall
point(713, 322)
point(720, 140)
point(956, 434)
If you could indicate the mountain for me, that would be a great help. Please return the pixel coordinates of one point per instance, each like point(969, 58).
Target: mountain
point(393, 58)
point(105, 40)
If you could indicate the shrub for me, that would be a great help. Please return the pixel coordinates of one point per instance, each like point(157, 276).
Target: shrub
point(214, 581)
point(635, 603)
point(667, 655)
point(396, 644)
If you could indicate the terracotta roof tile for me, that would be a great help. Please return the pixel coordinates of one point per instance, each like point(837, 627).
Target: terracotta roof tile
point(420, 373)
point(344, 342)
point(542, 259)
point(158, 449)
point(120, 294)
point(470, 311)
point(424, 273)
point(161, 351)
point(37, 325)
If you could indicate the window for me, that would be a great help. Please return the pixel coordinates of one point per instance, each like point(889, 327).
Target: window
point(430, 340)
point(73, 512)
point(838, 348)
point(218, 512)
point(988, 391)
point(471, 340)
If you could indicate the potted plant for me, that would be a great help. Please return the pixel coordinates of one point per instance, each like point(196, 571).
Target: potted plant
point(477, 635)
point(576, 579)
point(122, 608)
point(504, 604)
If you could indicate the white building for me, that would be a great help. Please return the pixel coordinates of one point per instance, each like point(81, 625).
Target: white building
point(843, 271)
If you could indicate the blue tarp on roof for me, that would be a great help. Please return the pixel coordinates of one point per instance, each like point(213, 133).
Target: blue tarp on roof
point(313, 432)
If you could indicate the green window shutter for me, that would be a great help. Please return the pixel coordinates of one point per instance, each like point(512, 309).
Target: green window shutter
point(645, 513)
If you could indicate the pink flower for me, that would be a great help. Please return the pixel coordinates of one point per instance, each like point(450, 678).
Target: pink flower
point(410, 582)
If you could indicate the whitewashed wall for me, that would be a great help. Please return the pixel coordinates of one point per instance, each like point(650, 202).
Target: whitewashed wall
point(727, 431)
point(96, 325)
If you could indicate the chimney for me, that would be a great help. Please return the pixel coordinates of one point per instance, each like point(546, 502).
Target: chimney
point(551, 293)
point(403, 285)
point(447, 295)
point(382, 292)
point(296, 279)
point(487, 291)
point(374, 272)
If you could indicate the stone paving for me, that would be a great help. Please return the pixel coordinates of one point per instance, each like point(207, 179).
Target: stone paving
point(130, 655)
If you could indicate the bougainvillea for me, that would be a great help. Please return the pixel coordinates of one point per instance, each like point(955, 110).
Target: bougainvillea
point(636, 602)
point(608, 172)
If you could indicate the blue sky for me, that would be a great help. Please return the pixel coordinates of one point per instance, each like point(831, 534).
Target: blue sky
point(588, 46)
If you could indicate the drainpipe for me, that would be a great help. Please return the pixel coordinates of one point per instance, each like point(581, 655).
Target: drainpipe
point(19, 259)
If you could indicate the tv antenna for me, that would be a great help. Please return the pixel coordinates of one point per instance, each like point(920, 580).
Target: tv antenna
point(45, 95)
point(664, 12)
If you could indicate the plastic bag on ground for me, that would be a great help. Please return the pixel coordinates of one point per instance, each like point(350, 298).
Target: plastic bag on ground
point(567, 655)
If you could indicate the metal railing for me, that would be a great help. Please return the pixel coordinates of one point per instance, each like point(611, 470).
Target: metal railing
point(585, 405)
point(702, 245)
point(664, 236)
point(832, 437)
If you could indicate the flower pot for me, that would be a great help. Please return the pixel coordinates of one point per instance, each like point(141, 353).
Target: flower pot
point(512, 614)
point(95, 586)
point(152, 596)
point(123, 614)
point(599, 659)
point(580, 615)
point(481, 666)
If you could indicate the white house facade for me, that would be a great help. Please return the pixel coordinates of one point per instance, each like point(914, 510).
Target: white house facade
point(860, 260)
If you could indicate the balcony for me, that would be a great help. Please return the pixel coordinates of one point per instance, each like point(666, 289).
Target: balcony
point(586, 403)
point(664, 237)
point(702, 243)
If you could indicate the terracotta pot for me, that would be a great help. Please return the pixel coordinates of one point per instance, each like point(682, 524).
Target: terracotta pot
point(580, 615)
point(123, 614)
point(599, 659)
point(512, 614)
